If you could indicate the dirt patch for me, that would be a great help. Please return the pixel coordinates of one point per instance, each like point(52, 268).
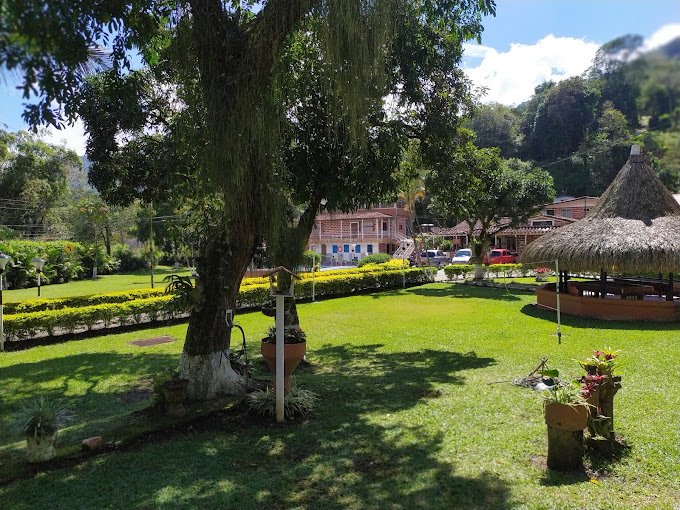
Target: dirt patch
point(147, 342)
point(138, 394)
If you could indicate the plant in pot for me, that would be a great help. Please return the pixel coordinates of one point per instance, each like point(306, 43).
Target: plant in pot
point(600, 368)
point(175, 393)
point(295, 346)
point(40, 420)
point(566, 415)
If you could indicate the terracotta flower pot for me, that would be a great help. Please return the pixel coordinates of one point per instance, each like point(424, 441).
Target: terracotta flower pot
point(292, 355)
point(566, 417)
point(41, 448)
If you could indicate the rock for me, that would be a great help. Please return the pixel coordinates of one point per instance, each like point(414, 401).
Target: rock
point(92, 443)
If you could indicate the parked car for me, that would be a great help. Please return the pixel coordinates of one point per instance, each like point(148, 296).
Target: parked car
point(435, 257)
point(500, 256)
point(462, 256)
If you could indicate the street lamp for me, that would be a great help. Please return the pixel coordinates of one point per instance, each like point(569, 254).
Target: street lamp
point(4, 259)
point(38, 264)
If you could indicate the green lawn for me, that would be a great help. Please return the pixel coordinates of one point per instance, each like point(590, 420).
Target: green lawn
point(415, 412)
point(105, 283)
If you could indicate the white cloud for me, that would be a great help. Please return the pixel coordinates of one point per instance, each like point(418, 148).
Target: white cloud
point(72, 137)
point(511, 76)
point(662, 36)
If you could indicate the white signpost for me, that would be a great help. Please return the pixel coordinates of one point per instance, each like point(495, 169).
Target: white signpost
point(276, 290)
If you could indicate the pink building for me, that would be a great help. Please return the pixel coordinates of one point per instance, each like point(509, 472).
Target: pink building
point(352, 236)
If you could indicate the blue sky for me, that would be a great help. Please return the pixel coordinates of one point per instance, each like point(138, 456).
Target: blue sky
point(529, 41)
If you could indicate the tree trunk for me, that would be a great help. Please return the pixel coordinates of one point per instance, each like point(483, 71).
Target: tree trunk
point(220, 265)
point(565, 449)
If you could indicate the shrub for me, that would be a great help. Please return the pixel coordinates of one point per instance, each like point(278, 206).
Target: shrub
point(62, 262)
point(375, 258)
point(26, 325)
point(445, 245)
point(310, 259)
point(298, 403)
point(127, 259)
point(40, 305)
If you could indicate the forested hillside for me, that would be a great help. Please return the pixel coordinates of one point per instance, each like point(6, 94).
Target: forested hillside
point(581, 129)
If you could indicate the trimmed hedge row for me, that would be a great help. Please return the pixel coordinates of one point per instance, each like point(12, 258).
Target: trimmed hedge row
point(455, 270)
point(24, 325)
point(41, 305)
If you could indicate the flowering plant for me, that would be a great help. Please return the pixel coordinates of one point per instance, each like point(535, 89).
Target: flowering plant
point(542, 270)
point(601, 363)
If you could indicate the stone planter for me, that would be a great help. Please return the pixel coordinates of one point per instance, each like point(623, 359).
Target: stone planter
point(292, 356)
point(175, 394)
point(41, 448)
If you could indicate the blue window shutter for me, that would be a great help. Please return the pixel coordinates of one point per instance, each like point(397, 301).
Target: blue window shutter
point(335, 248)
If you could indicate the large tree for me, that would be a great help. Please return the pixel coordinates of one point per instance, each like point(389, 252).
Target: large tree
point(234, 139)
point(33, 179)
point(479, 187)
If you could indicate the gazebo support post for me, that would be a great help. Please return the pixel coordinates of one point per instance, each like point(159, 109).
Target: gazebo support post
point(669, 294)
point(603, 283)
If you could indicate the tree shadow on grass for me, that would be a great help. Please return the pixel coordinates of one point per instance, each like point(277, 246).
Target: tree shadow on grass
point(355, 452)
point(465, 291)
point(94, 386)
point(532, 310)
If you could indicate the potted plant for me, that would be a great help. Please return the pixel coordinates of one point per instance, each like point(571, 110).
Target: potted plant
point(175, 394)
point(295, 346)
point(602, 362)
point(565, 407)
point(600, 368)
point(566, 415)
point(40, 420)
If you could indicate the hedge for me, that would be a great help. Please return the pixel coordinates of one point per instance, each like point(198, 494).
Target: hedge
point(456, 270)
point(25, 325)
point(41, 305)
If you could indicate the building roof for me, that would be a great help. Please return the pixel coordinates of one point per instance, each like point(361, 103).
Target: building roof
point(571, 199)
point(356, 215)
point(634, 227)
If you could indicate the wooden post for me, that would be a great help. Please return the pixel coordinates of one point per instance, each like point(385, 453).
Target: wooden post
point(565, 449)
point(603, 283)
point(607, 390)
point(669, 294)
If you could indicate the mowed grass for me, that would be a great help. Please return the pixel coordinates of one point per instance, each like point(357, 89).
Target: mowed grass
point(104, 283)
point(416, 411)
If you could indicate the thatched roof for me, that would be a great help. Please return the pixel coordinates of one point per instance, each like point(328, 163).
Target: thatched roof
point(635, 227)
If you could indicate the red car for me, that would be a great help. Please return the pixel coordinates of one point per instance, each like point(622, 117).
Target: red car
point(500, 256)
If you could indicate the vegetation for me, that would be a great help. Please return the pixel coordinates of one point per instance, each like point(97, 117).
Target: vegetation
point(387, 430)
point(299, 403)
point(42, 417)
point(55, 317)
point(376, 258)
point(580, 130)
point(479, 187)
point(228, 132)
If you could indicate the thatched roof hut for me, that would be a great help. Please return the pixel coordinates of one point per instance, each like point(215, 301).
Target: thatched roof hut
point(635, 227)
